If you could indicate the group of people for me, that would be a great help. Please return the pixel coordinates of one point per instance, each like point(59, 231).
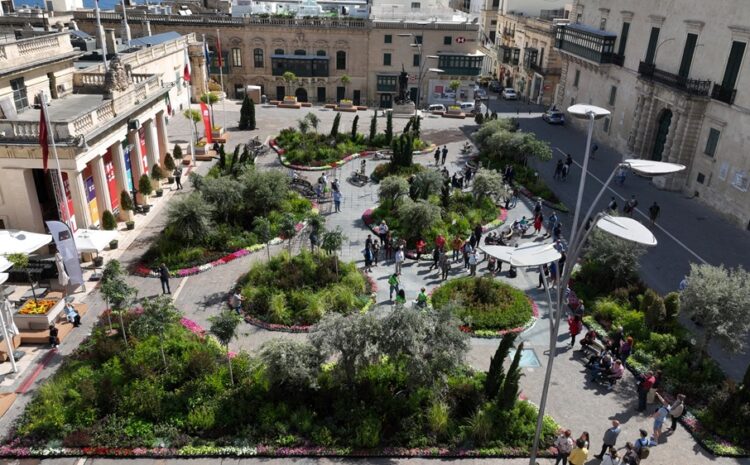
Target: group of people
point(576, 452)
point(322, 189)
point(441, 155)
point(562, 168)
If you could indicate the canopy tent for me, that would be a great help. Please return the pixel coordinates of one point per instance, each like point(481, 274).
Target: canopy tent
point(5, 264)
point(93, 240)
point(529, 254)
point(15, 241)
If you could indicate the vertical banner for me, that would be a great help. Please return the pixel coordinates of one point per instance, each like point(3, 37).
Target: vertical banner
point(69, 199)
point(206, 123)
point(109, 172)
point(128, 166)
point(88, 183)
point(142, 139)
point(66, 245)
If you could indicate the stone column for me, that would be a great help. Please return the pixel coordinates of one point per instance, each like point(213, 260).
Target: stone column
point(643, 135)
point(152, 144)
point(636, 123)
point(78, 192)
point(118, 159)
point(162, 135)
point(667, 152)
point(100, 183)
point(137, 164)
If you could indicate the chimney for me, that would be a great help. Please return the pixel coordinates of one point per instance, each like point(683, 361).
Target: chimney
point(109, 34)
point(147, 27)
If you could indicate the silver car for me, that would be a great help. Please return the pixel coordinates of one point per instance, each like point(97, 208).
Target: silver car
point(509, 94)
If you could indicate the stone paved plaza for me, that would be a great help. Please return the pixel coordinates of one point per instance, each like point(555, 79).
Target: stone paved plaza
point(574, 402)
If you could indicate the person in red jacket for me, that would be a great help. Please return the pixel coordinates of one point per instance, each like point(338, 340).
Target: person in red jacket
point(575, 325)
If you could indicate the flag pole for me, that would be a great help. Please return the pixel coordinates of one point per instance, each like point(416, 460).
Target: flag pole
point(190, 104)
point(100, 33)
point(60, 185)
point(221, 76)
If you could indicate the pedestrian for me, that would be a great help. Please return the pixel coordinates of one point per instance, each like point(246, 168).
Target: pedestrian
point(630, 205)
point(395, 285)
point(575, 325)
point(335, 185)
point(565, 171)
point(54, 340)
point(586, 439)
point(545, 271)
point(538, 219)
point(235, 300)
point(388, 246)
point(622, 173)
point(473, 264)
point(653, 212)
point(445, 154)
point(400, 298)
point(579, 454)
point(478, 233)
point(594, 148)
point(659, 416)
point(652, 393)
point(551, 223)
point(557, 231)
point(626, 349)
point(456, 245)
point(177, 173)
point(467, 176)
point(368, 259)
point(368, 241)
point(630, 457)
point(558, 169)
point(337, 201)
point(641, 446)
point(319, 192)
point(421, 247)
point(399, 259)
point(564, 445)
point(610, 438)
point(468, 249)
point(164, 278)
point(676, 410)
point(375, 253)
point(473, 240)
point(612, 206)
point(422, 299)
point(313, 240)
point(645, 382)
point(437, 156)
point(580, 309)
point(568, 160)
point(611, 457)
point(445, 266)
point(435, 258)
point(491, 265)
point(513, 197)
point(382, 231)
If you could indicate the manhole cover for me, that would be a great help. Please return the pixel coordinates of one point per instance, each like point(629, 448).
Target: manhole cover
point(528, 358)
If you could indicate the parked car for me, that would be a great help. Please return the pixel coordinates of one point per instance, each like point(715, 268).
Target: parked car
point(436, 107)
point(495, 86)
point(554, 117)
point(509, 94)
point(467, 107)
point(481, 94)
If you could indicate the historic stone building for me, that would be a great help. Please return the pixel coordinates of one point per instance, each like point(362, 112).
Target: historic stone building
point(675, 78)
point(527, 60)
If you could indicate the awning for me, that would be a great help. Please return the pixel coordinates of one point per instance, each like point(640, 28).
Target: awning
point(529, 254)
point(5, 264)
point(15, 241)
point(93, 240)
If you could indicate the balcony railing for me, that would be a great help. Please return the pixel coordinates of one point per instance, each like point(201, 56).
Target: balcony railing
point(723, 94)
point(545, 71)
point(34, 48)
point(588, 43)
point(691, 86)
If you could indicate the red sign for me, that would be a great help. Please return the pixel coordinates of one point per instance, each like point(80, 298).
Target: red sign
point(142, 138)
point(206, 122)
point(109, 172)
point(460, 40)
point(69, 199)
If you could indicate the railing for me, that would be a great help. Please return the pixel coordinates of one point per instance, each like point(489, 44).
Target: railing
point(691, 86)
point(47, 46)
point(723, 94)
point(545, 71)
point(88, 79)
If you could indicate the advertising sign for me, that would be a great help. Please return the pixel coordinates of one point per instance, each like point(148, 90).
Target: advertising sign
point(109, 173)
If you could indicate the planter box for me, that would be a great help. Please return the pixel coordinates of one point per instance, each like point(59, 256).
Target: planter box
point(454, 114)
point(217, 133)
point(289, 99)
point(186, 161)
point(329, 105)
point(39, 321)
point(200, 150)
point(349, 109)
point(306, 104)
point(274, 102)
point(361, 108)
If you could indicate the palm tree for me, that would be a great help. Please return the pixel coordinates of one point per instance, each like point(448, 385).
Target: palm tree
point(190, 218)
point(224, 327)
point(346, 80)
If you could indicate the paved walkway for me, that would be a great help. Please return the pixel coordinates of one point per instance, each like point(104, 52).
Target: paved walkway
point(573, 402)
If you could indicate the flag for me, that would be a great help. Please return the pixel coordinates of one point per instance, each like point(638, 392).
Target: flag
point(208, 55)
point(218, 53)
point(206, 122)
point(186, 72)
point(169, 103)
point(44, 135)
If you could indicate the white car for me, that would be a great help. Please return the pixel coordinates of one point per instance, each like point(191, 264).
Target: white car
point(436, 107)
point(509, 94)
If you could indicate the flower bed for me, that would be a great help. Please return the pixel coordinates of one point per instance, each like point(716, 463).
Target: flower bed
point(491, 334)
point(38, 307)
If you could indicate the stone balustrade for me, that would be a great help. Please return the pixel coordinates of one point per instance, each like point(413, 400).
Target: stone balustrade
point(24, 51)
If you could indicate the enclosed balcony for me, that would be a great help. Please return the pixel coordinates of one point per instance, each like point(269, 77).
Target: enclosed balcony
point(588, 43)
point(461, 65)
point(691, 86)
point(300, 65)
point(530, 56)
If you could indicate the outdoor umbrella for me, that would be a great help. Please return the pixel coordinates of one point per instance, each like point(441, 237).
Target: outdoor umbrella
point(15, 241)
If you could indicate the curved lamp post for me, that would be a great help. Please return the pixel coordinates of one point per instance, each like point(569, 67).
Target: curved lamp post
point(622, 227)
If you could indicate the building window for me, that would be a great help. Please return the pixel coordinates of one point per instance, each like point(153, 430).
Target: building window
point(612, 95)
point(415, 60)
point(687, 55)
point(652, 43)
point(606, 124)
point(388, 39)
point(320, 53)
point(701, 178)
point(732, 71)
point(415, 5)
point(386, 59)
point(258, 57)
point(278, 51)
point(447, 40)
point(724, 171)
point(623, 39)
point(603, 24)
point(19, 93)
point(418, 40)
point(300, 52)
point(577, 78)
point(237, 57)
point(712, 142)
point(495, 4)
point(341, 59)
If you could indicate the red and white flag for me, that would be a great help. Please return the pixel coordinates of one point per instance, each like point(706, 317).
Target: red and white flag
point(186, 72)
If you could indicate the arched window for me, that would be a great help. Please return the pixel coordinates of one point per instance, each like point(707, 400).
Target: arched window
point(258, 57)
point(341, 59)
point(300, 52)
point(278, 51)
point(321, 53)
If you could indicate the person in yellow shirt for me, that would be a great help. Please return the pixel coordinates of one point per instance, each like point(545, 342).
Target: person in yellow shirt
point(579, 454)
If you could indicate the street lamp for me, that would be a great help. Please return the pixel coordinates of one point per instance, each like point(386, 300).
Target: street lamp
point(422, 69)
point(622, 227)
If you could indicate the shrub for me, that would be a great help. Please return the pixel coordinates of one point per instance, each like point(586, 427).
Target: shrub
point(672, 306)
point(177, 152)
point(108, 221)
point(126, 202)
point(169, 164)
point(157, 174)
point(144, 185)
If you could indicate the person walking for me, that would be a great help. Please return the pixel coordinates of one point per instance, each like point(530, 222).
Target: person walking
point(630, 456)
point(611, 457)
point(54, 340)
point(551, 223)
point(399, 259)
point(630, 206)
point(653, 212)
point(437, 156)
point(164, 278)
point(478, 233)
point(375, 253)
point(337, 201)
point(388, 246)
point(612, 206)
point(641, 446)
point(435, 258)
point(622, 173)
point(564, 445)
point(313, 240)
point(395, 285)
point(177, 173)
point(472, 263)
point(538, 220)
point(579, 454)
point(456, 245)
point(445, 155)
point(557, 231)
point(235, 300)
point(659, 417)
point(445, 266)
point(676, 410)
point(575, 325)
point(558, 169)
point(610, 438)
point(645, 382)
point(382, 231)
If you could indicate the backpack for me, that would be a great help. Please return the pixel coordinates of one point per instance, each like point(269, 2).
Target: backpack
point(644, 450)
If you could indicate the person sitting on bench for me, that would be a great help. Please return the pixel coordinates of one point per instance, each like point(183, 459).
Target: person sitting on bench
point(588, 339)
point(72, 315)
point(612, 374)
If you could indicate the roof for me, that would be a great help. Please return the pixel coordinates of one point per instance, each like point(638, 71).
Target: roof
point(589, 29)
point(155, 39)
point(80, 34)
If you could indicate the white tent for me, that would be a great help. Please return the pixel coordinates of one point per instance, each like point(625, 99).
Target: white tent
point(93, 240)
point(5, 264)
point(529, 254)
point(15, 241)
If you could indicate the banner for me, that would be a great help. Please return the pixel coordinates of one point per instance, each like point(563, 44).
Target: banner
point(128, 167)
point(69, 200)
point(142, 139)
point(88, 182)
point(206, 123)
point(66, 245)
point(109, 172)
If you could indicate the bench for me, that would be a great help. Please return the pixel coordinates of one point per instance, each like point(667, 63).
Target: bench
point(594, 348)
point(6, 400)
point(40, 336)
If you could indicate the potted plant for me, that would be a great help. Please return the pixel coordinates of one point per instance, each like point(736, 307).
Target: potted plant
point(98, 261)
point(130, 225)
point(126, 205)
point(114, 243)
point(200, 147)
point(159, 192)
point(145, 189)
point(169, 167)
point(108, 221)
point(157, 174)
point(209, 99)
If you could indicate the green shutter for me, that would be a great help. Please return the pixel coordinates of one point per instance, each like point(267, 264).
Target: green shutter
point(733, 66)
point(652, 43)
point(687, 55)
point(623, 39)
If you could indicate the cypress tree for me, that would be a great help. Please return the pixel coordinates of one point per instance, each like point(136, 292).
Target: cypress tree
point(509, 392)
point(373, 128)
point(496, 373)
point(247, 114)
point(354, 127)
point(251, 116)
point(416, 126)
point(389, 128)
point(335, 127)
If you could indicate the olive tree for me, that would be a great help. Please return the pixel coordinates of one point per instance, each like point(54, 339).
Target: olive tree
point(719, 298)
point(418, 216)
point(158, 314)
point(291, 364)
point(391, 188)
point(262, 229)
point(425, 184)
point(488, 183)
point(332, 242)
point(224, 327)
point(352, 340)
point(610, 261)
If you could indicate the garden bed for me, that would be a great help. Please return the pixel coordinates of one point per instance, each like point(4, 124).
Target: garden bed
point(485, 306)
point(292, 293)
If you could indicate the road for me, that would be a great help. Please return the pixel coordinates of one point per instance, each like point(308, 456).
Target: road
point(687, 231)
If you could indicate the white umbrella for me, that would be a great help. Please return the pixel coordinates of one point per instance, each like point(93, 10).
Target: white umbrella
point(93, 240)
point(62, 275)
point(15, 241)
point(5, 264)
